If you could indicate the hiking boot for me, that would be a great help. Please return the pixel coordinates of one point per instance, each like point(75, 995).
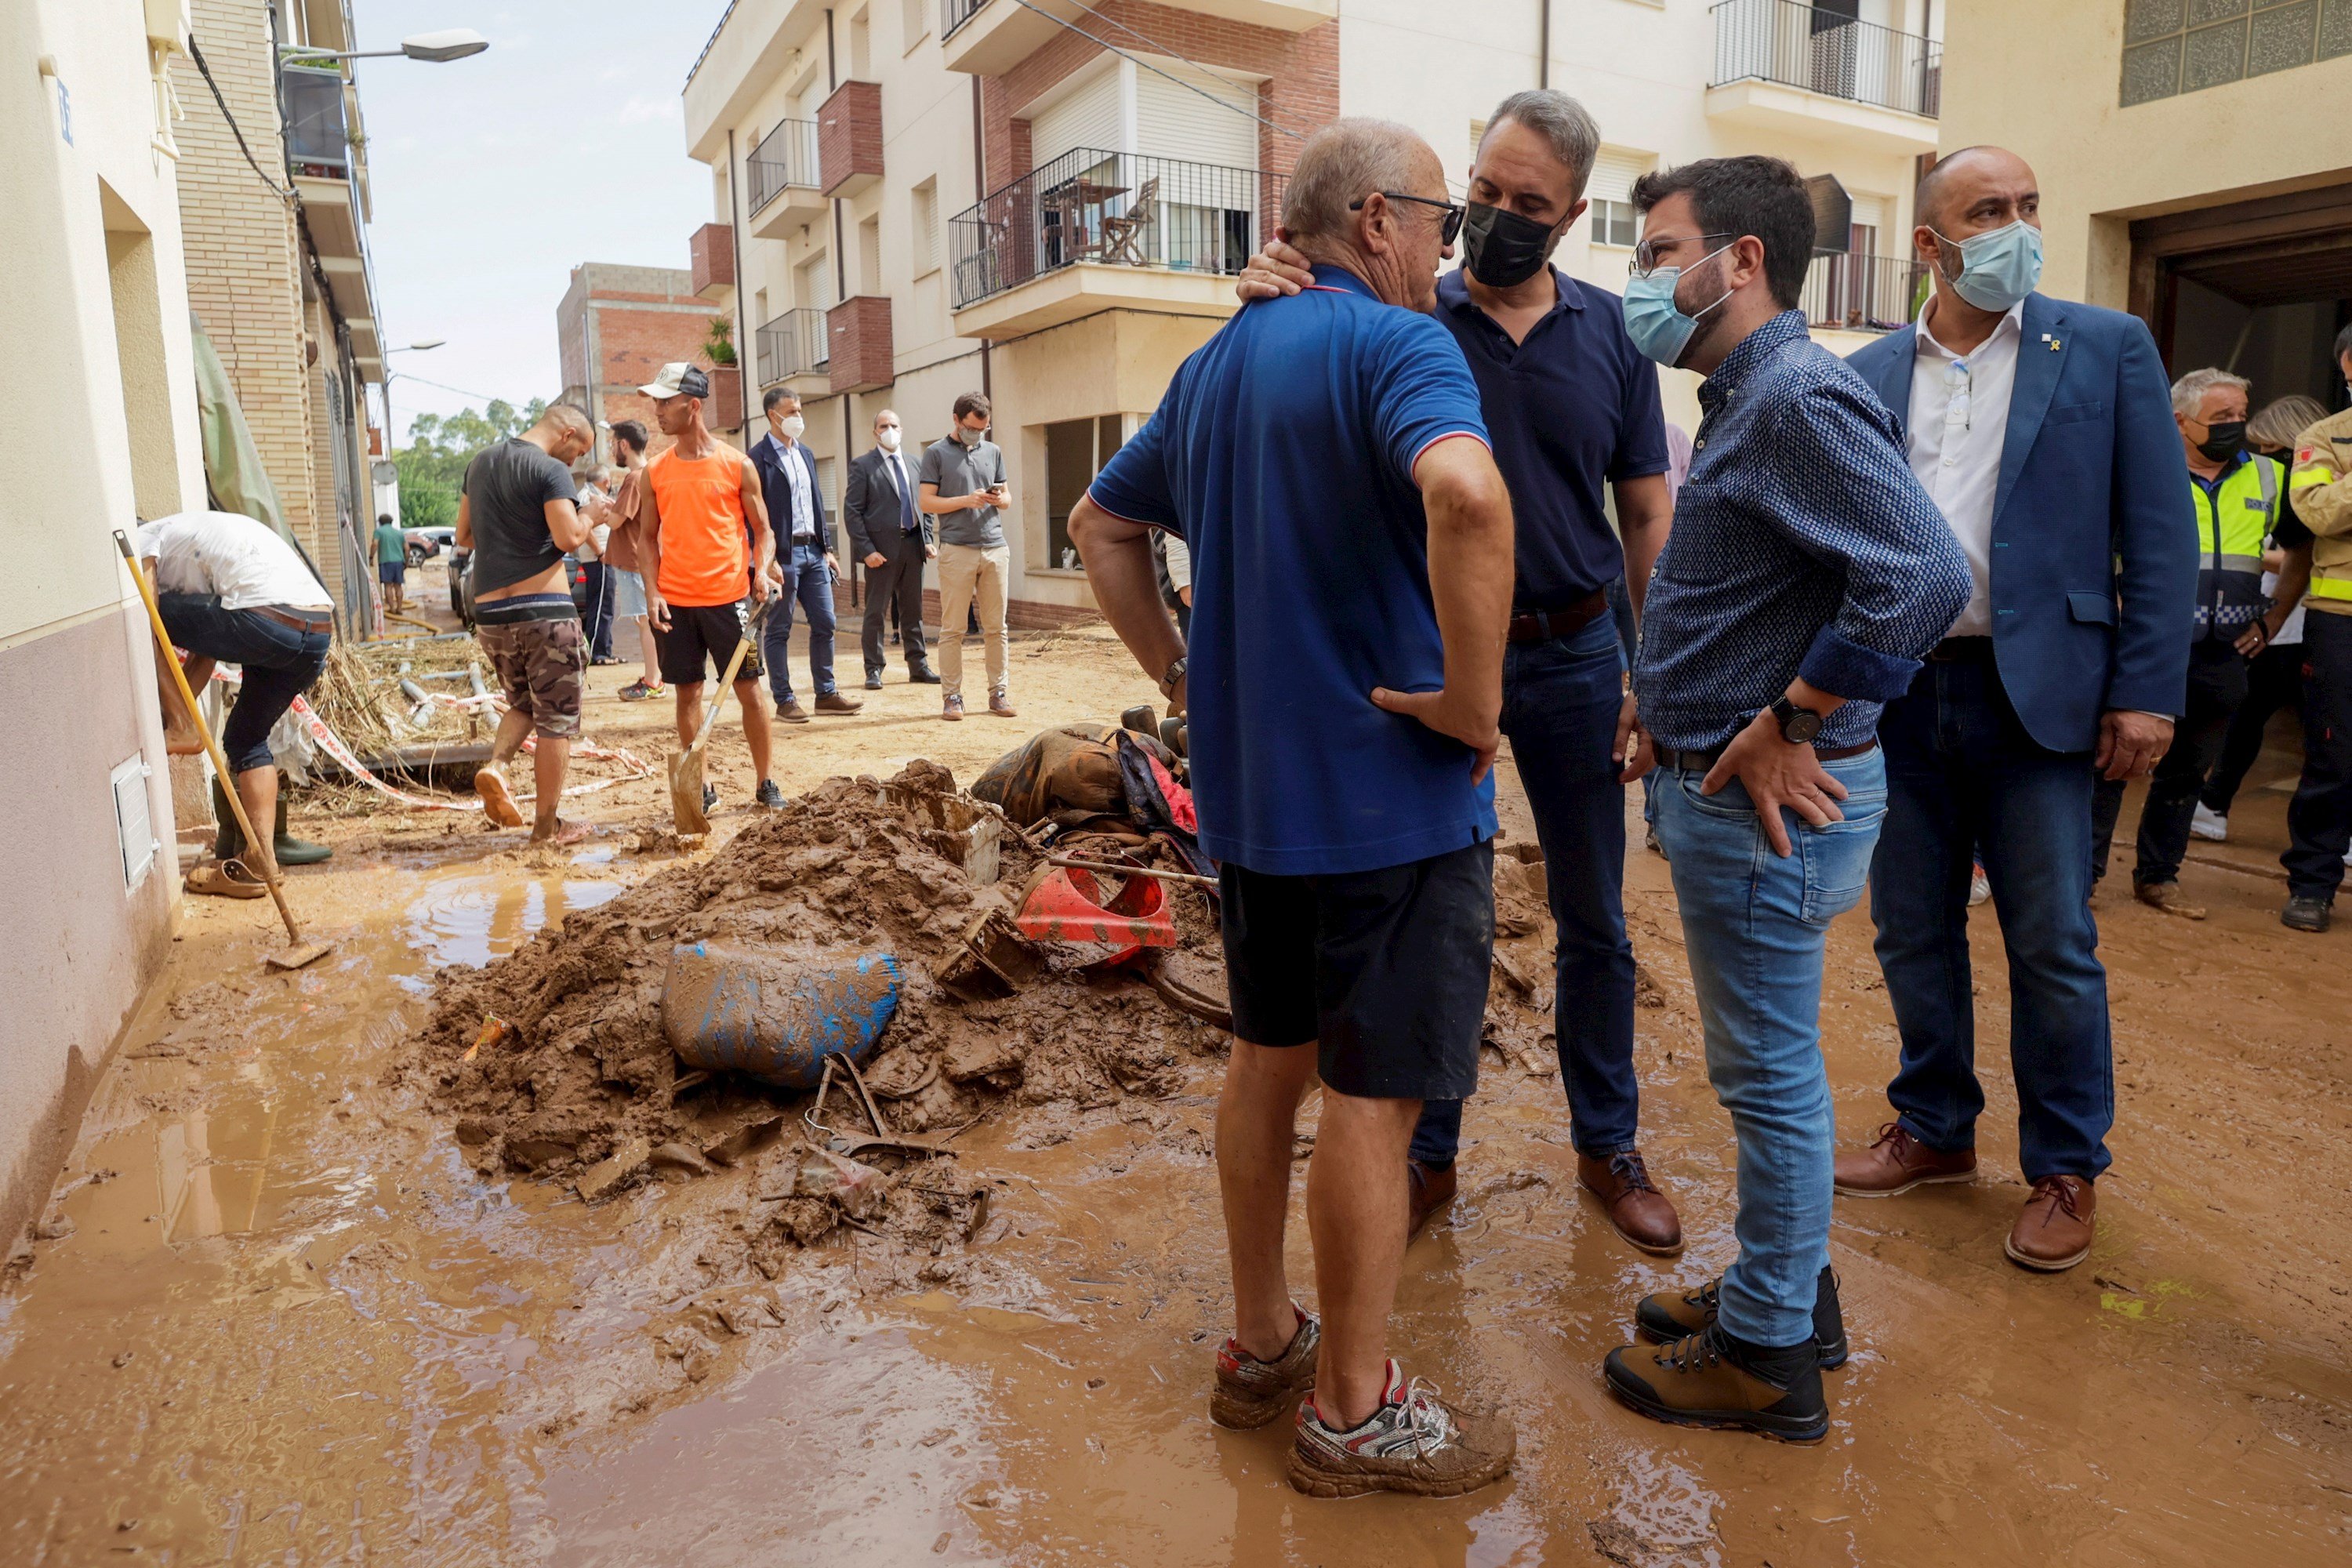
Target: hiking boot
point(1672, 1315)
point(1434, 1187)
point(637, 690)
point(2306, 914)
point(835, 702)
point(922, 675)
point(1895, 1162)
point(1000, 706)
point(497, 801)
point(2167, 897)
point(1414, 1443)
point(1710, 1379)
point(769, 796)
point(1636, 1209)
point(1250, 1392)
point(953, 710)
point(2209, 824)
point(2053, 1233)
point(790, 712)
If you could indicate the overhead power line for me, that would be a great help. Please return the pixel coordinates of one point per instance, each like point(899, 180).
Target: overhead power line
point(1155, 70)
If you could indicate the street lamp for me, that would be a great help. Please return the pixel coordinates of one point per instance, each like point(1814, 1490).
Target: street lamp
point(420, 346)
point(450, 44)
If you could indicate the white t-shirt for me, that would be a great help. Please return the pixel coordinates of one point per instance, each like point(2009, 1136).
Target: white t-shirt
point(232, 555)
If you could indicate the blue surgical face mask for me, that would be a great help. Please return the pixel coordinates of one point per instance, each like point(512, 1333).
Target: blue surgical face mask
point(1655, 324)
point(1998, 267)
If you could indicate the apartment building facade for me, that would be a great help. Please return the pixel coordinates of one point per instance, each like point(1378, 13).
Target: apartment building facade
point(1048, 201)
point(617, 325)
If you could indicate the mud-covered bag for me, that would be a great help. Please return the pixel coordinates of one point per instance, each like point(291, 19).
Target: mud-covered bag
point(1073, 767)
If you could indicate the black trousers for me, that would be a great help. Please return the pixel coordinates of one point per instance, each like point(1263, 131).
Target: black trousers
point(2217, 685)
point(2319, 818)
point(2273, 681)
point(896, 583)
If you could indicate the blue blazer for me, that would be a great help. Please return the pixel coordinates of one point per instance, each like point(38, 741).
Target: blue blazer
point(777, 491)
point(2094, 536)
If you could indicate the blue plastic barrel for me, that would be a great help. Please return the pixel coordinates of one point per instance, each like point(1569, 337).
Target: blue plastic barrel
point(775, 1017)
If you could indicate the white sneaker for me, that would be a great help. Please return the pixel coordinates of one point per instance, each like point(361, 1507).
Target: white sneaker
point(1980, 888)
point(2206, 825)
point(2348, 857)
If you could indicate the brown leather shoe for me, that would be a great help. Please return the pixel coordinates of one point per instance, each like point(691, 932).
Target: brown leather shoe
point(1432, 1189)
point(1636, 1209)
point(792, 713)
point(2168, 897)
point(2055, 1231)
point(1000, 706)
point(1707, 1379)
point(1895, 1162)
point(835, 702)
point(951, 709)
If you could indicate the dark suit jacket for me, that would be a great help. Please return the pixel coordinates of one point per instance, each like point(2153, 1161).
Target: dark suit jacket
point(869, 507)
point(2094, 539)
point(777, 491)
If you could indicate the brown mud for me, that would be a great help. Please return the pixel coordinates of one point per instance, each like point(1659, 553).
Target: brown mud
point(278, 1312)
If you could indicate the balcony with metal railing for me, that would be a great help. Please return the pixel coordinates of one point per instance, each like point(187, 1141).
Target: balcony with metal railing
point(1853, 293)
point(786, 190)
point(1095, 230)
point(1820, 71)
point(796, 350)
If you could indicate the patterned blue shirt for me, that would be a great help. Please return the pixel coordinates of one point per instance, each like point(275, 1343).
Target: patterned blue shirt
point(1801, 545)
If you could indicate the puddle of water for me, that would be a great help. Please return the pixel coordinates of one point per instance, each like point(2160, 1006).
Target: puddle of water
point(473, 920)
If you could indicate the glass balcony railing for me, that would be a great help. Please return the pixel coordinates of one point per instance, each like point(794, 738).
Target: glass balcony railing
point(794, 344)
point(1116, 208)
point(1825, 48)
point(785, 156)
point(1859, 293)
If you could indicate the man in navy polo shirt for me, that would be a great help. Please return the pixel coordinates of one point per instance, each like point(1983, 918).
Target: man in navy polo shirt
point(1572, 406)
point(1324, 459)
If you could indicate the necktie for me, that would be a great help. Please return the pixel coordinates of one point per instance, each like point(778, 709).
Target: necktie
point(907, 520)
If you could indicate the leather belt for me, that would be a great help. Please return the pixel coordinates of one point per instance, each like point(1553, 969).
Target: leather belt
point(1703, 762)
point(300, 620)
point(1542, 625)
point(1962, 650)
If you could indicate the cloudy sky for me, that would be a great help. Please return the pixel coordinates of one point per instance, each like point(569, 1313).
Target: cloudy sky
point(494, 177)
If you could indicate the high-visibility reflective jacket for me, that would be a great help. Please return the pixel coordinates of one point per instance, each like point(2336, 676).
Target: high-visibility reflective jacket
point(2232, 519)
point(2320, 486)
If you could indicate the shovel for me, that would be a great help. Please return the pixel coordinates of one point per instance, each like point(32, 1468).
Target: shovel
point(297, 951)
point(685, 767)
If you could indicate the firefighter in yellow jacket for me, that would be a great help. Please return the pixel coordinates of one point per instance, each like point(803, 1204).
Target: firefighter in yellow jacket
point(2319, 821)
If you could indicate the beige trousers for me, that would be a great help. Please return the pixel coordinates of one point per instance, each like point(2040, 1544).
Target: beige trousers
point(968, 572)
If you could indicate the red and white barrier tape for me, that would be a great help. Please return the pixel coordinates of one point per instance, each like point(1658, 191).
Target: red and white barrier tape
point(332, 744)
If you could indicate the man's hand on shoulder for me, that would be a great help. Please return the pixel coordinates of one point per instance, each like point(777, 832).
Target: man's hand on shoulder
point(1273, 272)
point(2130, 743)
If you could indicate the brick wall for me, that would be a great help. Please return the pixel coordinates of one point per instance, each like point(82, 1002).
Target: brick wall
point(849, 137)
point(640, 318)
point(860, 350)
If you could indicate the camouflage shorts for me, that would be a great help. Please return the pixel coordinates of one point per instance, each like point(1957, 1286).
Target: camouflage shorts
point(542, 670)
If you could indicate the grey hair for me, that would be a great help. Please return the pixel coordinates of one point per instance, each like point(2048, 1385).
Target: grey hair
point(1560, 120)
point(2188, 392)
point(1345, 161)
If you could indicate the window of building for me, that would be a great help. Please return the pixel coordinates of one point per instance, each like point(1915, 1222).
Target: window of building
point(1477, 137)
point(812, 283)
point(870, 255)
point(861, 48)
point(1611, 191)
point(1076, 450)
point(926, 225)
point(917, 23)
point(2172, 47)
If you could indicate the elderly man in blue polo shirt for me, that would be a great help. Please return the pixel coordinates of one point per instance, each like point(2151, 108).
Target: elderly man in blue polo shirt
point(1324, 459)
point(1574, 407)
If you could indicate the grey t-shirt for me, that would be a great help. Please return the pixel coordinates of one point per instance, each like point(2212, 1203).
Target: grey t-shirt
point(509, 485)
point(962, 470)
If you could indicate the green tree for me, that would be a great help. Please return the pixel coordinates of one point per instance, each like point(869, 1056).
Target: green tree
point(433, 465)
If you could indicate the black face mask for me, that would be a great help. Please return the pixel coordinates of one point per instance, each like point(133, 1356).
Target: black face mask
point(2223, 440)
point(1501, 249)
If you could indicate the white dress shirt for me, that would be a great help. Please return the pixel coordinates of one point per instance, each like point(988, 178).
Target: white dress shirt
point(796, 478)
point(1960, 418)
point(898, 466)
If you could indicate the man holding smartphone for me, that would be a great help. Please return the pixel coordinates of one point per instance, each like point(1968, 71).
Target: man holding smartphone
point(962, 483)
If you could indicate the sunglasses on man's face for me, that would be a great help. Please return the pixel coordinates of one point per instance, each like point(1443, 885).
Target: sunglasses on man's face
point(1451, 226)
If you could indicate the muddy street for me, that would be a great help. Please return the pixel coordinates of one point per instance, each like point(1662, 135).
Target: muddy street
point(277, 1312)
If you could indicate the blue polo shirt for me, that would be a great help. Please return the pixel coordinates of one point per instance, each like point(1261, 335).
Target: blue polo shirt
point(1283, 454)
point(1572, 409)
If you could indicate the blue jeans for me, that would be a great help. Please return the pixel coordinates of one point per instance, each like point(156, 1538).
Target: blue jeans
point(1756, 925)
point(1964, 779)
point(279, 665)
point(599, 609)
point(1560, 700)
point(810, 581)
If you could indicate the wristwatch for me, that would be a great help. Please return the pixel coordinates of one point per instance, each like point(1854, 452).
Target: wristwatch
point(1798, 725)
point(1175, 673)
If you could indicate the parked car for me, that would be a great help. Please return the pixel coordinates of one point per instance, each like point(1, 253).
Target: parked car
point(461, 587)
point(424, 543)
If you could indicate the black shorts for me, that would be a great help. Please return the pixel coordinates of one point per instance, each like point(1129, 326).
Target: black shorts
point(707, 632)
point(1386, 971)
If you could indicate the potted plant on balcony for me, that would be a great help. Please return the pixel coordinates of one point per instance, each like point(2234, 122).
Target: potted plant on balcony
point(725, 409)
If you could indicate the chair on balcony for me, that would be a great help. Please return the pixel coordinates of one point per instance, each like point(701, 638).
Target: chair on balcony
point(1123, 234)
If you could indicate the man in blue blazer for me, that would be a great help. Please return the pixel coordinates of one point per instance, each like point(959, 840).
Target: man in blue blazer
point(805, 564)
point(2044, 432)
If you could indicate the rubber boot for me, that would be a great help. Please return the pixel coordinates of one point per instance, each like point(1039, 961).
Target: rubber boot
point(229, 843)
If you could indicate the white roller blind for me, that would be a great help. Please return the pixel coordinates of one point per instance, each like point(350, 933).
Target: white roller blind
point(1173, 120)
point(1090, 113)
point(1870, 211)
point(1614, 172)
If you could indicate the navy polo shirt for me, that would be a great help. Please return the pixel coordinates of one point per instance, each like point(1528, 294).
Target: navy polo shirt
point(1572, 409)
point(1283, 454)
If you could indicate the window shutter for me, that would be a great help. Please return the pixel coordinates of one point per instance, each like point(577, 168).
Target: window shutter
point(1172, 120)
point(1614, 172)
point(927, 226)
point(1090, 113)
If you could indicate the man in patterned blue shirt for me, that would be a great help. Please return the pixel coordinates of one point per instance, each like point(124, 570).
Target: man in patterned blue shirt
point(1806, 575)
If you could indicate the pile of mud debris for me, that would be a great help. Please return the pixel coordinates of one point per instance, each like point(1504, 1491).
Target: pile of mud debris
point(553, 1061)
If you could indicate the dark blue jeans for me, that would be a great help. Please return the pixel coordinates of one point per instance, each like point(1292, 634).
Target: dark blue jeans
point(1560, 700)
point(278, 664)
point(600, 610)
point(2319, 818)
point(808, 580)
point(1963, 778)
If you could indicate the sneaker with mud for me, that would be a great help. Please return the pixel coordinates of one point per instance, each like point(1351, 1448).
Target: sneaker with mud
point(1415, 1443)
point(1250, 1392)
point(1672, 1315)
point(1710, 1379)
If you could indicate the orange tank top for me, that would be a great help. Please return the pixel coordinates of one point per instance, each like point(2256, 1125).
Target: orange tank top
point(705, 556)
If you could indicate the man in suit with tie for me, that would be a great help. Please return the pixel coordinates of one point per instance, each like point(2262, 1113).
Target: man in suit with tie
point(893, 537)
point(806, 565)
point(2044, 433)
